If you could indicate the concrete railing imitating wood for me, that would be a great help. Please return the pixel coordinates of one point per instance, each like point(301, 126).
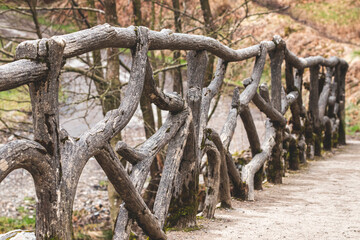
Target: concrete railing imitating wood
point(56, 160)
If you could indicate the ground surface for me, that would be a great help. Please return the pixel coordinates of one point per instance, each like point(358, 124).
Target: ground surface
point(322, 201)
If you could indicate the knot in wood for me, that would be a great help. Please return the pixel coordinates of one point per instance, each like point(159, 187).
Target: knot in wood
point(194, 94)
point(247, 82)
point(279, 42)
point(38, 49)
point(167, 31)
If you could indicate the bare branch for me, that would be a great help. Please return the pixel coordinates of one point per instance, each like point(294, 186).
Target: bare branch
point(62, 9)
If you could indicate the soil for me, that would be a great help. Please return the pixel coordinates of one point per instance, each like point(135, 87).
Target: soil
point(321, 201)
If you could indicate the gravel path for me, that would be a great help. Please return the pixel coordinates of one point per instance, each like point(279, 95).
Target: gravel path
point(321, 201)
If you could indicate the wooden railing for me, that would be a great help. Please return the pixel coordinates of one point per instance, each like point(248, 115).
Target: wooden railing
point(56, 160)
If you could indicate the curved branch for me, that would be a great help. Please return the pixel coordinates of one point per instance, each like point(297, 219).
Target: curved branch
point(105, 36)
point(208, 93)
point(117, 119)
point(301, 63)
point(165, 101)
point(24, 154)
point(248, 94)
point(248, 172)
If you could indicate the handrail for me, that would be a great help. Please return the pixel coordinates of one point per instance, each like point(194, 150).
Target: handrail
point(185, 132)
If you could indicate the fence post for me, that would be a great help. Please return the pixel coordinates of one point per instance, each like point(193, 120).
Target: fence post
point(341, 101)
point(184, 200)
point(275, 165)
point(314, 109)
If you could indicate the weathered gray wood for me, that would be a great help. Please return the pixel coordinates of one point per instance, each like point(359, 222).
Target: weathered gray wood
point(165, 101)
point(25, 154)
point(33, 157)
point(293, 158)
point(248, 172)
point(224, 188)
point(105, 36)
point(296, 153)
point(131, 155)
point(228, 128)
point(341, 100)
point(197, 62)
point(275, 165)
point(116, 120)
point(45, 108)
point(209, 92)
point(56, 185)
point(133, 201)
point(264, 92)
point(314, 108)
point(254, 141)
point(186, 182)
point(171, 167)
point(251, 131)
point(327, 141)
point(21, 72)
point(301, 63)
point(247, 95)
point(140, 171)
point(268, 110)
point(213, 180)
point(226, 135)
point(290, 98)
point(276, 57)
point(324, 95)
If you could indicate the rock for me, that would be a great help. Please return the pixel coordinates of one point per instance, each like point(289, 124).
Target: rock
point(18, 235)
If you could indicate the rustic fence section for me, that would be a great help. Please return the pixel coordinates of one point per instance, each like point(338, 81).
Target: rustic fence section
point(56, 160)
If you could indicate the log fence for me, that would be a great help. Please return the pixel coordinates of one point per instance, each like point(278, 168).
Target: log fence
point(56, 160)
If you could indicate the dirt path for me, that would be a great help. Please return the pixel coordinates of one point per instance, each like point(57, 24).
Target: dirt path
point(322, 201)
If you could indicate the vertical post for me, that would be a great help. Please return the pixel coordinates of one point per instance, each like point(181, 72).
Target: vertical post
point(294, 153)
point(275, 165)
point(341, 99)
point(314, 108)
point(184, 204)
point(50, 221)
